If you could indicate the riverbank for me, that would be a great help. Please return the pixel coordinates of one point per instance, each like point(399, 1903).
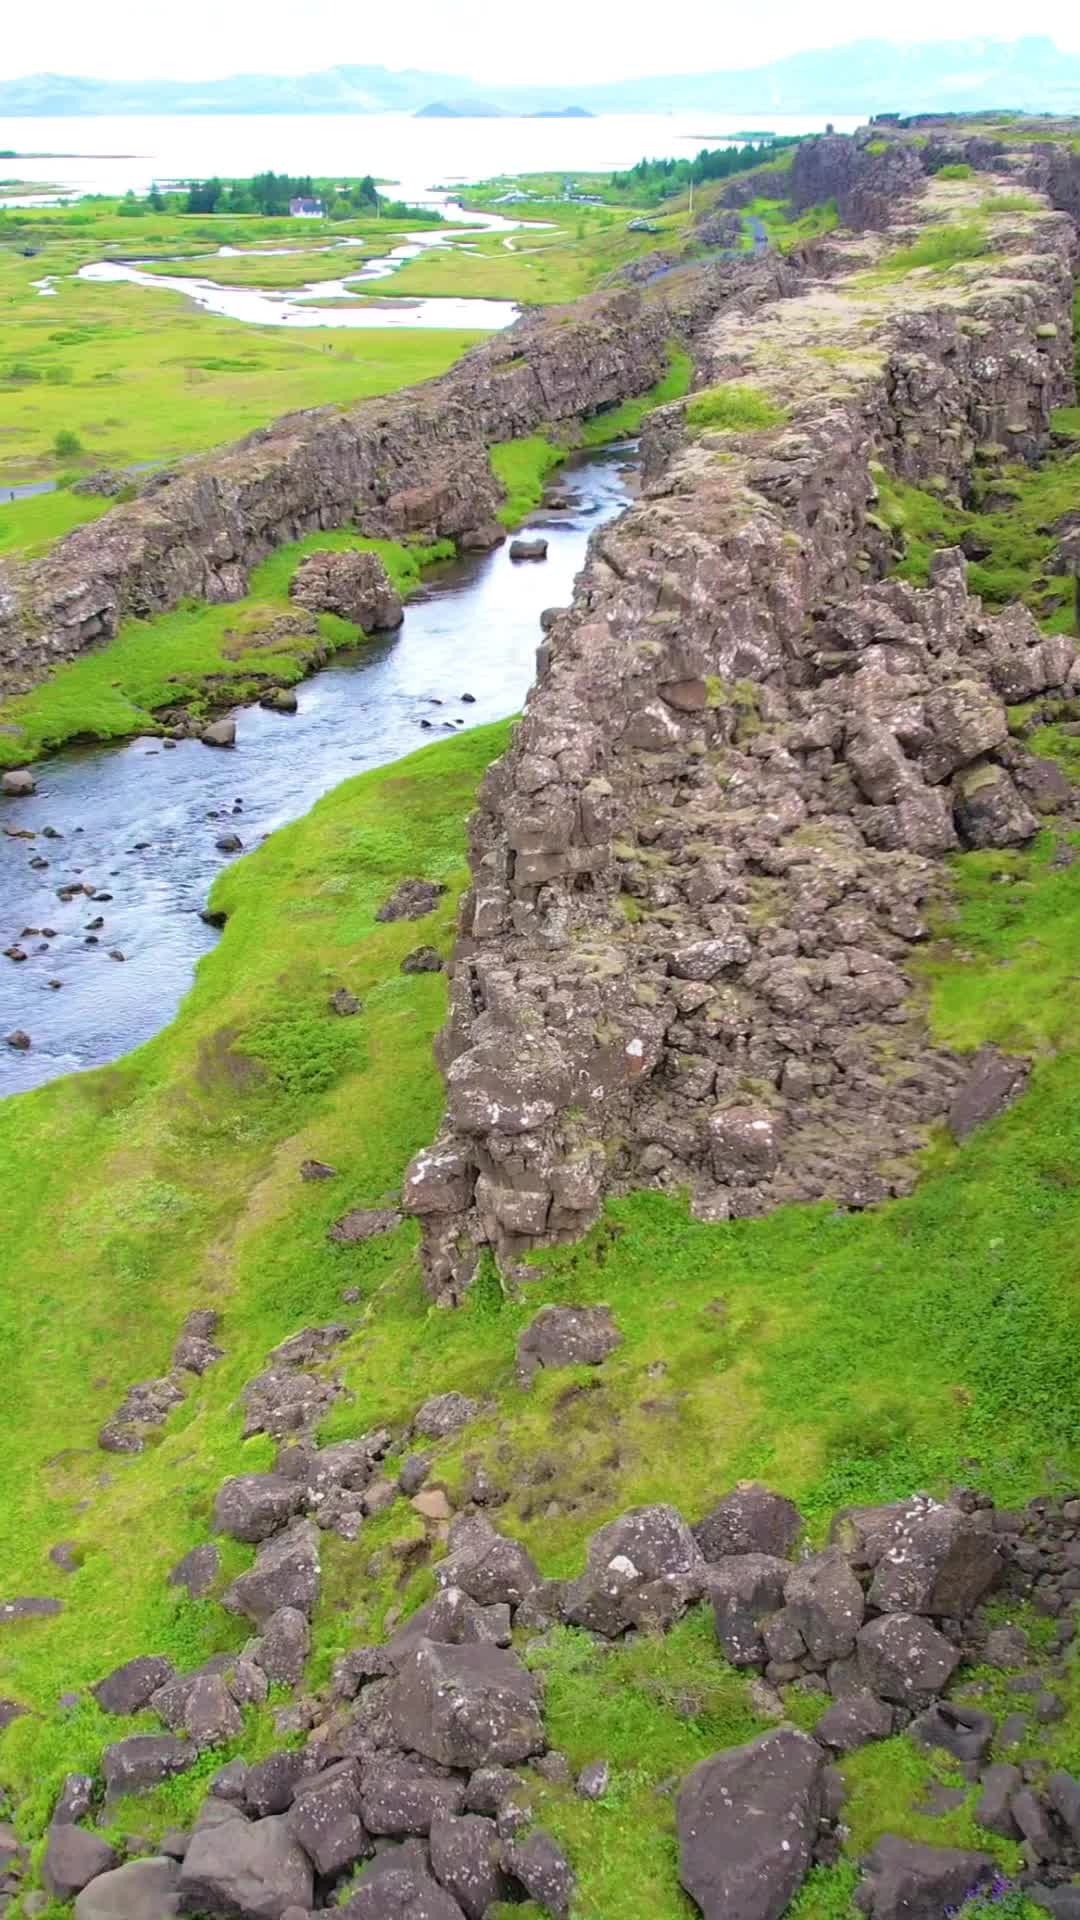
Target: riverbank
point(150, 825)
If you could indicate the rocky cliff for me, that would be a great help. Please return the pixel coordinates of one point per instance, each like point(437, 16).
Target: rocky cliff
point(702, 872)
point(413, 465)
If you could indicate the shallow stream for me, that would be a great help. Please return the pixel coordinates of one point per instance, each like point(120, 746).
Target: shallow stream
point(139, 822)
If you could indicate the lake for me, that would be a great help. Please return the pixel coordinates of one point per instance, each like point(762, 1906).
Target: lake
point(111, 154)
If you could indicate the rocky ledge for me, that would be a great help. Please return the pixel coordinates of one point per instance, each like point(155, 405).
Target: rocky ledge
point(702, 871)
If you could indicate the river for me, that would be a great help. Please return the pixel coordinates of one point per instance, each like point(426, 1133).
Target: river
point(139, 822)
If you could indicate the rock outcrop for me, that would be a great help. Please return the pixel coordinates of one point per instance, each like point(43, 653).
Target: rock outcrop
point(414, 465)
point(700, 872)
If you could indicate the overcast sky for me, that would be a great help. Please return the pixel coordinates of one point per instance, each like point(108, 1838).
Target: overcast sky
point(566, 40)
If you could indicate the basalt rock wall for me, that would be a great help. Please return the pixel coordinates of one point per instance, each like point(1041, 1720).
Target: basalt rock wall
point(699, 874)
point(415, 464)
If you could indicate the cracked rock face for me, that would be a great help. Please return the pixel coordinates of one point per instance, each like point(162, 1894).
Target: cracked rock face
point(701, 872)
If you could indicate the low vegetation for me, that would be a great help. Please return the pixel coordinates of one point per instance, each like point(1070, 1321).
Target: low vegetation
point(732, 408)
point(841, 1357)
point(195, 658)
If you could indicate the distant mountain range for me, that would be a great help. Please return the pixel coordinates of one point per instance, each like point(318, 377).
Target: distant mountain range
point(867, 76)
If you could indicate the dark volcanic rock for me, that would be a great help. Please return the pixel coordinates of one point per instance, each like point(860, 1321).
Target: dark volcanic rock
point(750, 1519)
point(993, 1082)
point(139, 1890)
point(72, 1858)
point(940, 1563)
point(544, 1871)
point(747, 1822)
point(251, 1868)
point(412, 900)
point(643, 1570)
point(467, 1706)
point(903, 1658)
point(566, 1337)
point(325, 1819)
point(444, 1414)
point(400, 1797)
point(466, 1860)
point(128, 1689)
point(398, 1892)
point(285, 1574)
point(197, 1571)
point(145, 1760)
point(904, 1880)
point(744, 1589)
point(825, 1601)
point(853, 1721)
point(254, 1505)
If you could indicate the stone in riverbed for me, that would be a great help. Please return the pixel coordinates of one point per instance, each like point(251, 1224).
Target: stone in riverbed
point(220, 733)
point(532, 547)
point(18, 1041)
point(18, 782)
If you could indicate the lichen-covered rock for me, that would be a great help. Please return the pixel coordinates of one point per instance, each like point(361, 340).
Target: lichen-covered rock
point(285, 1574)
point(744, 1589)
point(566, 1337)
point(254, 1869)
point(940, 1563)
point(747, 1823)
point(488, 1566)
point(400, 1797)
point(466, 1859)
point(466, 1706)
point(903, 1658)
point(129, 1688)
point(144, 1760)
point(643, 1570)
point(73, 1857)
point(749, 1519)
point(325, 1818)
point(254, 1505)
point(992, 1083)
point(825, 1601)
point(539, 1864)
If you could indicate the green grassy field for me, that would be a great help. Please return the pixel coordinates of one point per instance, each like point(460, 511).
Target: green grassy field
point(857, 1355)
point(540, 266)
point(140, 376)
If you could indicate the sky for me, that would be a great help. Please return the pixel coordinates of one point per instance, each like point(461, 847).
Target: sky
point(565, 41)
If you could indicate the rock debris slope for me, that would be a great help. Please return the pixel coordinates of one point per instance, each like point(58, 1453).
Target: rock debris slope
point(701, 873)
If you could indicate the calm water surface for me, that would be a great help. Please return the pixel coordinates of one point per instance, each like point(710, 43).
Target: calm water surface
point(148, 815)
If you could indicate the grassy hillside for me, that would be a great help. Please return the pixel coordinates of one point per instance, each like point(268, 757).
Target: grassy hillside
point(840, 1357)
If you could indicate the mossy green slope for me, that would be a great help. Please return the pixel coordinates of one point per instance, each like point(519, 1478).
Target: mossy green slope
point(839, 1356)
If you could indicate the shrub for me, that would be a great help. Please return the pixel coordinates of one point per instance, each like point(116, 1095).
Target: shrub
point(66, 444)
point(957, 170)
point(734, 409)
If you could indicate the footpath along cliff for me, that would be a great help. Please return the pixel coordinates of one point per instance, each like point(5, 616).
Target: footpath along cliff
point(702, 871)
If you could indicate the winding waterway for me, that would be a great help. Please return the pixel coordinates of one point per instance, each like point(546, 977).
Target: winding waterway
point(305, 306)
point(138, 823)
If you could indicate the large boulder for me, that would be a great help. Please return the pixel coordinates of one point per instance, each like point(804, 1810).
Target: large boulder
point(749, 1519)
point(400, 1797)
point(139, 1890)
point(643, 1570)
point(73, 1857)
point(901, 1657)
point(825, 1602)
point(566, 1337)
point(854, 1720)
point(254, 1869)
point(990, 811)
point(747, 1823)
point(128, 1689)
point(211, 1715)
point(394, 1892)
point(744, 1589)
point(145, 1760)
point(940, 1563)
point(285, 1574)
point(467, 1706)
point(325, 1818)
point(491, 1568)
point(904, 1880)
point(254, 1505)
point(356, 586)
point(466, 1859)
